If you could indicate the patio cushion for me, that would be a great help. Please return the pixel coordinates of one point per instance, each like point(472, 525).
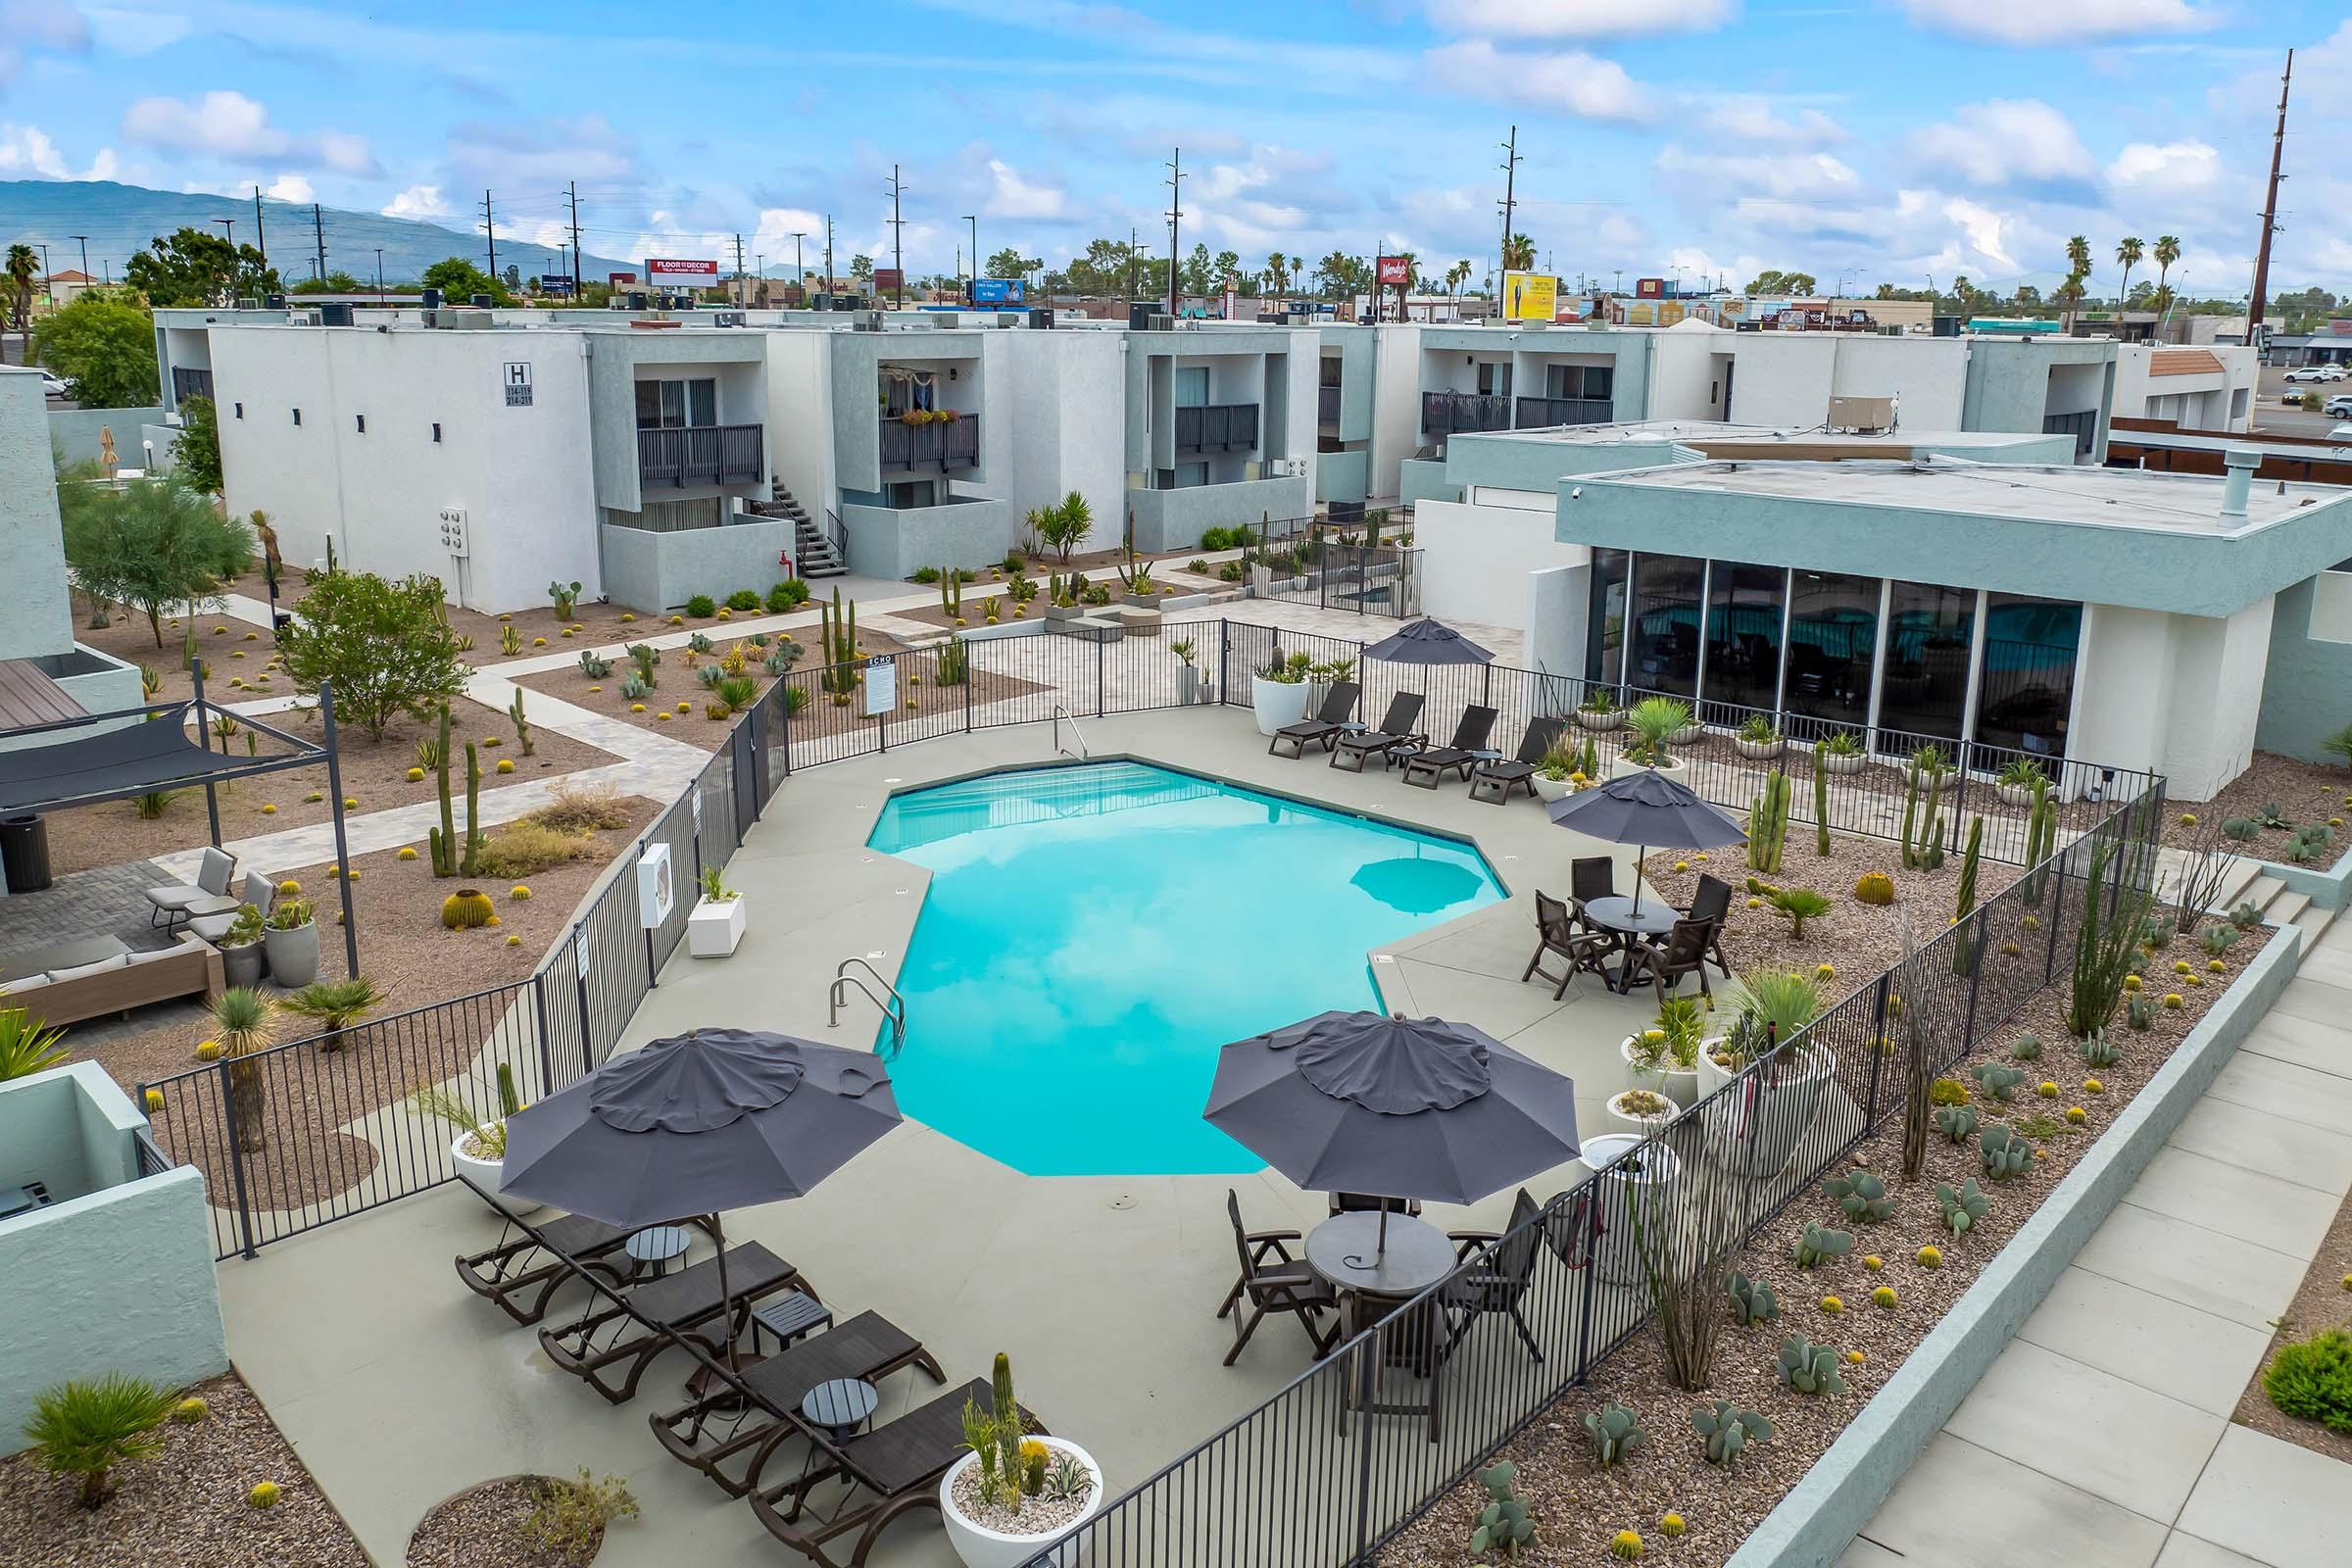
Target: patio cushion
point(213, 927)
point(77, 971)
point(153, 956)
point(177, 895)
point(17, 988)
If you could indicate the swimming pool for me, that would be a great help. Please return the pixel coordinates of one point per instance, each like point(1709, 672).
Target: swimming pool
point(1092, 934)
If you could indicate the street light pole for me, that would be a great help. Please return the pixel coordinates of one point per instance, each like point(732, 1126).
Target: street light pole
point(973, 219)
point(230, 225)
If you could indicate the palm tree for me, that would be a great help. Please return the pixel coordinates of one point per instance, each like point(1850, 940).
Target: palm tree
point(1278, 267)
point(2128, 253)
point(2168, 250)
point(1405, 289)
point(2078, 255)
point(1455, 276)
point(1519, 255)
point(2068, 297)
point(22, 266)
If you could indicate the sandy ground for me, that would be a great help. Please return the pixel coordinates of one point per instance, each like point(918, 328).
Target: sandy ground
point(2305, 793)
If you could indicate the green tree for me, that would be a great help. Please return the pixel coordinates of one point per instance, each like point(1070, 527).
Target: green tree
point(1009, 264)
point(196, 450)
point(384, 645)
point(105, 348)
point(861, 267)
point(193, 267)
point(334, 282)
point(23, 266)
point(1772, 282)
point(1519, 255)
point(1064, 525)
point(154, 545)
point(460, 281)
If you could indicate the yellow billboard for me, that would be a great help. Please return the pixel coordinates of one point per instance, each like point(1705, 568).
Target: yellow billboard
point(1530, 297)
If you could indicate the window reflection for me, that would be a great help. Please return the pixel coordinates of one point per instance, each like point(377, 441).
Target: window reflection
point(1928, 632)
point(2027, 684)
point(1832, 639)
point(1666, 597)
point(1604, 637)
point(1743, 634)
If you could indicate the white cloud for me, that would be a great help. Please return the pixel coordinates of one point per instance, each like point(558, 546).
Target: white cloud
point(1753, 119)
point(2040, 21)
point(290, 187)
point(26, 151)
point(418, 201)
point(1804, 177)
point(51, 24)
point(1570, 83)
point(136, 33)
point(1013, 196)
point(1982, 227)
point(229, 124)
point(2007, 141)
point(1578, 19)
point(2170, 169)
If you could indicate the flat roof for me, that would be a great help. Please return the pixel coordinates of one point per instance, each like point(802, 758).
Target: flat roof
point(2305, 448)
point(1705, 434)
point(2172, 503)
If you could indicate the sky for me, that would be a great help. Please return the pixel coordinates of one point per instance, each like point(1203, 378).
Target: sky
point(1899, 141)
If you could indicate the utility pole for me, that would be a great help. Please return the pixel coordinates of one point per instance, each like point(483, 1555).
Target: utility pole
point(1510, 185)
point(2270, 212)
point(1131, 261)
point(898, 235)
point(1175, 224)
point(800, 273)
point(228, 226)
point(318, 234)
point(86, 256)
point(260, 239)
point(828, 255)
point(739, 270)
point(973, 219)
point(490, 227)
point(574, 191)
point(48, 284)
point(379, 274)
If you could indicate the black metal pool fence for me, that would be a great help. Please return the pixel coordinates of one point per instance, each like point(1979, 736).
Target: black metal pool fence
point(1308, 1477)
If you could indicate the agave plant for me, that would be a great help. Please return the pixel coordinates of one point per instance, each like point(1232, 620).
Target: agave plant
point(336, 1006)
point(1655, 721)
point(241, 1023)
point(445, 1104)
point(27, 1045)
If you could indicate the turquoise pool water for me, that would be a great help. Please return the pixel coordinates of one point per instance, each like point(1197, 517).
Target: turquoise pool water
point(1093, 934)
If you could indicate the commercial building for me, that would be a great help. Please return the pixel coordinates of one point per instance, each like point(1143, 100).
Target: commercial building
point(651, 456)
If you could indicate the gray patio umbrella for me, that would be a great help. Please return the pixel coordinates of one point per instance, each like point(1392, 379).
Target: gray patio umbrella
point(1422, 1109)
point(1429, 642)
point(698, 1124)
point(1648, 810)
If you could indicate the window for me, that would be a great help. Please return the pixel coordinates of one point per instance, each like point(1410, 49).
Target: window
point(1604, 622)
point(1925, 695)
point(1495, 380)
point(1598, 381)
point(677, 405)
point(1743, 634)
point(2027, 684)
point(1666, 598)
point(1833, 642)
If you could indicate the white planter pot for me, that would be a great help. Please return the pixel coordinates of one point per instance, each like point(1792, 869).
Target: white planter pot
point(1839, 761)
point(1615, 1258)
point(1771, 1123)
point(241, 965)
point(977, 1547)
point(714, 927)
point(1638, 1076)
point(1278, 702)
point(1678, 1084)
point(2015, 794)
point(1759, 750)
point(1686, 734)
point(489, 1175)
point(1549, 790)
point(1599, 723)
point(1674, 769)
point(293, 955)
point(1188, 685)
point(1637, 1125)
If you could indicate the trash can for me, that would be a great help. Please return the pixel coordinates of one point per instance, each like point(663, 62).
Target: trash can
point(25, 852)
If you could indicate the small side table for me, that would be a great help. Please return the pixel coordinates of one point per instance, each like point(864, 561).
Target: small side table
point(657, 1247)
point(840, 1407)
point(790, 1317)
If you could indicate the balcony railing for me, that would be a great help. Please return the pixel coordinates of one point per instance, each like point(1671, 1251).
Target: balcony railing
point(1217, 427)
point(702, 454)
point(188, 382)
point(1537, 412)
point(942, 445)
point(1448, 413)
point(1327, 405)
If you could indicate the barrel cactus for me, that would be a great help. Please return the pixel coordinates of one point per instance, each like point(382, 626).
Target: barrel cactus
point(263, 1495)
point(466, 908)
point(1875, 887)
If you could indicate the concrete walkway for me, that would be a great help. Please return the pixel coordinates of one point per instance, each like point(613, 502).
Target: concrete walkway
point(2101, 1437)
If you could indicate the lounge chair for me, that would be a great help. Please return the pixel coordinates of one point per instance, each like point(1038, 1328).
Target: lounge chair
point(1327, 725)
point(1504, 776)
point(644, 1320)
point(257, 890)
point(1457, 756)
point(1396, 731)
point(207, 894)
point(532, 1261)
point(891, 1470)
point(1271, 1281)
point(753, 1409)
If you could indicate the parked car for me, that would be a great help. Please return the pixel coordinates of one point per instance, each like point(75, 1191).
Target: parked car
point(2342, 432)
point(2317, 373)
point(53, 384)
point(2338, 405)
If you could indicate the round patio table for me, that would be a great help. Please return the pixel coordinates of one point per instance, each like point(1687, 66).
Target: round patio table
point(659, 1246)
point(1654, 918)
point(1342, 1250)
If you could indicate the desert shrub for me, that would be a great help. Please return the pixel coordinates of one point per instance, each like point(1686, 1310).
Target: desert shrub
point(572, 1515)
point(743, 599)
point(524, 847)
point(575, 807)
point(86, 1430)
point(702, 605)
point(2312, 1380)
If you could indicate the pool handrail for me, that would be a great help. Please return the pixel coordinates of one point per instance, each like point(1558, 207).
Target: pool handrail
point(1082, 755)
point(836, 994)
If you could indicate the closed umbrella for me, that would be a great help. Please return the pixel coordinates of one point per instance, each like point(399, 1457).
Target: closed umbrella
point(1419, 1108)
point(698, 1124)
point(1650, 811)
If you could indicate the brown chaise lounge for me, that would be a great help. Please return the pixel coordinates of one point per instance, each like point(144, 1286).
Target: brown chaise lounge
point(1395, 730)
point(1457, 756)
point(755, 1407)
point(1503, 777)
point(538, 1257)
point(894, 1469)
point(646, 1319)
point(1328, 725)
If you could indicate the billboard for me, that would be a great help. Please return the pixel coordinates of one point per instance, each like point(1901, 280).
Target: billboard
point(889, 277)
point(1394, 271)
point(998, 291)
point(1649, 288)
point(681, 272)
point(1530, 296)
point(620, 279)
point(555, 285)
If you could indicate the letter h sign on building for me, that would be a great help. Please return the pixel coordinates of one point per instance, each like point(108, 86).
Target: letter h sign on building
point(519, 384)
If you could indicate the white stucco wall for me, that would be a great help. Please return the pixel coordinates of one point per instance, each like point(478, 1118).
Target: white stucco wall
point(1396, 404)
point(800, 416)
point(1060, 396)
point(2199, 402)
point(31, 539)
point(1788, 377)
point(2178, 695)
point(1477, 554)
point(522, 474)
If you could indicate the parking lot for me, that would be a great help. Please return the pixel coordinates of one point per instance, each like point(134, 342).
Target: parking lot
point(2271, 418)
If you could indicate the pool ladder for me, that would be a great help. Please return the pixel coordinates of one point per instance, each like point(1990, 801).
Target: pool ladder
point(1081, 753)
point(894, 1010)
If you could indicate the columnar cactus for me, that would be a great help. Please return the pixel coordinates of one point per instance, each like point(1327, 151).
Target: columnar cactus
point(1768, 823)
point(1007, 1425)
point(1821, 810)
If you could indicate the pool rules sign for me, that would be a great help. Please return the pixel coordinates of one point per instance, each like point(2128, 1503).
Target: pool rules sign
point(881, 686)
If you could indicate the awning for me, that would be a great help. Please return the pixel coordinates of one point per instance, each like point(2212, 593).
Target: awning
point(112, 765)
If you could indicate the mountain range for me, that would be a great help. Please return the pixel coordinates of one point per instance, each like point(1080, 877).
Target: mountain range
point(119, 219)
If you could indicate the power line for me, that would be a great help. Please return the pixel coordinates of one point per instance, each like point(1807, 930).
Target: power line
point(898, 235)
point(1175, 223)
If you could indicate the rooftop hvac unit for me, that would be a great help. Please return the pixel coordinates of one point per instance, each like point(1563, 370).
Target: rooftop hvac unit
point(249, 303)
point(430, 299)
point(302, 317)
point(334, 314)
point(1163, 323)
point(726, 317)
point(273, 302)
point(1041, 318)
point(1139, 315)
point(482, 302)
point(1862, 414)
point(869, 321)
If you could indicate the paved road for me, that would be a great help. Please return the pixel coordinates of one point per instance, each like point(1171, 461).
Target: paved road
point(2271, 418)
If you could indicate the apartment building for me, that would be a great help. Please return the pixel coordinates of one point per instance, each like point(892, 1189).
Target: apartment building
point(651, 458)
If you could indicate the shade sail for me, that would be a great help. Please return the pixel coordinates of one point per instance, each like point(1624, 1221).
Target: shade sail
point(108, 765)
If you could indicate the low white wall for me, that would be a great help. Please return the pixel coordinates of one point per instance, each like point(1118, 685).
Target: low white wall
point(1476, 557)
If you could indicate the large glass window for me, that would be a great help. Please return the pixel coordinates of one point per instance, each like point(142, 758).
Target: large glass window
point(1604, 622)
point(1832, 639)
point(1930, 630)
point(1743, 634)
point(1666, 604)
point(2027, 683)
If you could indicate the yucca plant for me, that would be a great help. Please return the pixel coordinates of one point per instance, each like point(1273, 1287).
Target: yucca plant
point(1654, 721)
point(445, 1104)
point(241, 1023)
point(26, 1046)
point(151, 805)
point(1788, 1000)
point(336, 1006)
point(87, 1430)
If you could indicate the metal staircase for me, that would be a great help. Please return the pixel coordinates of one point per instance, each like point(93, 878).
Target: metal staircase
point(817, 547)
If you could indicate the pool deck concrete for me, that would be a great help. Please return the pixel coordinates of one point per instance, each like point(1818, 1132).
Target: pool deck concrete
point(398, 1388)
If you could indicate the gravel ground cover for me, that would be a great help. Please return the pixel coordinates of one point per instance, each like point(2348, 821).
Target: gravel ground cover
point(2305, 793)
point(2323, 1301)
point(482, 1527)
